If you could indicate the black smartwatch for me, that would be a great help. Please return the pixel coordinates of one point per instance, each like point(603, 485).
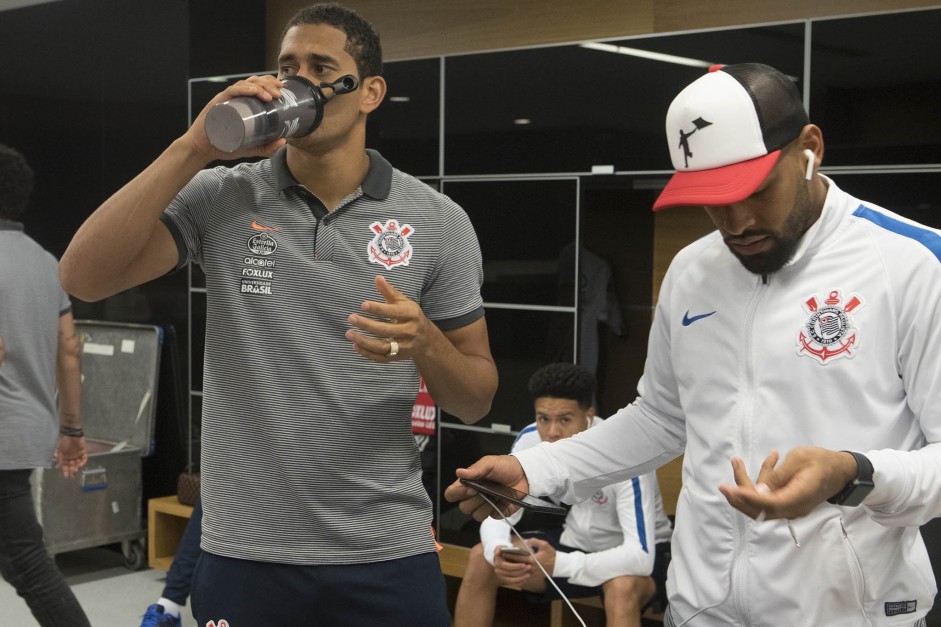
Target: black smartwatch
point(859, 487)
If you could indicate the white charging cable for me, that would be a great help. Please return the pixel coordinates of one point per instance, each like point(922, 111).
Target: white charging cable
point(535, 559)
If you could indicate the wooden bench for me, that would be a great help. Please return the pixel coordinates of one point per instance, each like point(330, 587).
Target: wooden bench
point(454, 562)
point(166, 521)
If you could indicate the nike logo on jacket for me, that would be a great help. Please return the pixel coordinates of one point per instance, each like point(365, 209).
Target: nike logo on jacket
point(688, 320)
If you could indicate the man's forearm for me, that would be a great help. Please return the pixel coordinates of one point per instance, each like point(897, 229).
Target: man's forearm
point(115, 249)
point(465, 391)
point(459, 371)
point(70, 393)
point(69, 374)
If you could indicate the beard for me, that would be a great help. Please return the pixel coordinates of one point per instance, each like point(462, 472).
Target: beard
point(784, 242)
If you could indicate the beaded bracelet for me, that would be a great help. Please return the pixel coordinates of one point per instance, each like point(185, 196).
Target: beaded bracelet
point(72, 432)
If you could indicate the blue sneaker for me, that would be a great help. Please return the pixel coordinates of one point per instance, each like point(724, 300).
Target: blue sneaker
point(154, 617)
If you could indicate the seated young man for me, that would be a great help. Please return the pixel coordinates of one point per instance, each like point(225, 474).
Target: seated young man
point(607, 545)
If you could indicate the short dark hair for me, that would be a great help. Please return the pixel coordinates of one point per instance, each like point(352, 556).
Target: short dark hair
point(563, 380)
point(362, 41)
point(16, 183)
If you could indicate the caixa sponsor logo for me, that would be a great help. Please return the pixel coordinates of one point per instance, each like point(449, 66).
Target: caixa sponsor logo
point(262, 244)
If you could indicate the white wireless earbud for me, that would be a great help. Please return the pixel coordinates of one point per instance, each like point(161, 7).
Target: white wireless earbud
point(810, 163)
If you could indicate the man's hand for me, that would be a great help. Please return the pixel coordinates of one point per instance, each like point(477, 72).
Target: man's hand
point(519, 570)
point(503, 469)
point(71, 454)
point(456, 364)
point(510, 569)
point(398, 320)
point(266, 88)
point(808, 476)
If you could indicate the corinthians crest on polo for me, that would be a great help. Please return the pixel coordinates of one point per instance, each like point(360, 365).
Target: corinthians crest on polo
point(829, 331)
point(390, 246)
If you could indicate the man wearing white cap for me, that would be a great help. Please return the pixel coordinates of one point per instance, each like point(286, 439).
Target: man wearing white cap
point(793, 360)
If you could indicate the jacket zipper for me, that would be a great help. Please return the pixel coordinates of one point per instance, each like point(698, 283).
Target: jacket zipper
point(740, 576)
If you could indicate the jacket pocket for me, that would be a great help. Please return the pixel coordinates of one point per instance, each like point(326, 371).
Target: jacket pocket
point(888, 569)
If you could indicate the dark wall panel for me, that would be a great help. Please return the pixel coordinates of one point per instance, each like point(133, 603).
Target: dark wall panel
point(91, 91)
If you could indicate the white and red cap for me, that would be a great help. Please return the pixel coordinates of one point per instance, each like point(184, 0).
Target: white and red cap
point(726, 130)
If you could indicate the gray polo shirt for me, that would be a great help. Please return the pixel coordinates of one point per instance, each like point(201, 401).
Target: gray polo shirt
point(307, 451)
point(31, 301)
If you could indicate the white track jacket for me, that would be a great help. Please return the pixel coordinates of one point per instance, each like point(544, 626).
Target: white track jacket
point(841, 348)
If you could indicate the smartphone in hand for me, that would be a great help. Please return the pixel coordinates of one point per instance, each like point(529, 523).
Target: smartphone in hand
point(501, 492)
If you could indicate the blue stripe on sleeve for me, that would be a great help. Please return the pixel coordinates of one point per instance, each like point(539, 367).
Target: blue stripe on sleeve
point(924, 236)
point(525, 430)
point(639, 514)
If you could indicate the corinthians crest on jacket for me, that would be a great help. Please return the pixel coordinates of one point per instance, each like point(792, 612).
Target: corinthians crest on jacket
point(390, 246)
point(829, 332)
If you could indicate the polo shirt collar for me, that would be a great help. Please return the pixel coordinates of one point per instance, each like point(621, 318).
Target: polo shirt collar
point(376, 185)
point(10, 225)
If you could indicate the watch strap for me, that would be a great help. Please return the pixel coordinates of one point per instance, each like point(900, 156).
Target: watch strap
point(859, 486)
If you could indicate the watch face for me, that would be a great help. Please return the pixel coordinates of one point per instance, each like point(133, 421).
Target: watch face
point(858, 493)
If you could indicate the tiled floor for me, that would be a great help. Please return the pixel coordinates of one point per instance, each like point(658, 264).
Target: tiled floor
point(111, 595)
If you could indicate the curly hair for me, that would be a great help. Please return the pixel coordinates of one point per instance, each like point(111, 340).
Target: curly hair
point(362, 41)
point(16, 183)
point(563, 380)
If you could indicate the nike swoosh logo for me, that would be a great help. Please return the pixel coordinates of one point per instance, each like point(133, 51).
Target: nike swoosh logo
point(259, 227)
point(688, 320)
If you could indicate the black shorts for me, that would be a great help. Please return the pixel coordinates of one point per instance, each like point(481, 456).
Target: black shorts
point(243, 593)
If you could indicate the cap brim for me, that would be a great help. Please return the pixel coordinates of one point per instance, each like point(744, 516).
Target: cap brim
point(718, 186)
